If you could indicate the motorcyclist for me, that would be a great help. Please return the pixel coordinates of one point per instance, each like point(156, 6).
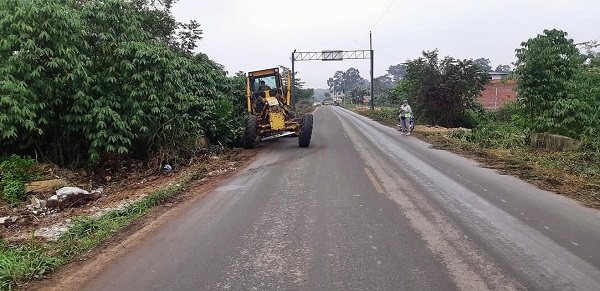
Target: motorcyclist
point(405, 116)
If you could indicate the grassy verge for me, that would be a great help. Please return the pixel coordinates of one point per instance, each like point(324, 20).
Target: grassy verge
point(347, 105)
point(384, 115)
point(22, 263)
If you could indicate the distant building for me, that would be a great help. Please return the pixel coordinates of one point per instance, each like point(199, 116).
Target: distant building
point(498, 75)
point(498, 91)
point(337, 96)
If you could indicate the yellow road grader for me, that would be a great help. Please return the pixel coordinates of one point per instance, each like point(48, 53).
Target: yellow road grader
point(269, 110)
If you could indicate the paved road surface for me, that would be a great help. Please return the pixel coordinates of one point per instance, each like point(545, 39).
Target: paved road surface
point(365, 208)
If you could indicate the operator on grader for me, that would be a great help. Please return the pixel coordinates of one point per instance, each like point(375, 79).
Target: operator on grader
point(262, 86)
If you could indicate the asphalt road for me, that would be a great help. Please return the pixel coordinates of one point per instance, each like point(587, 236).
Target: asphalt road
point(366, 208)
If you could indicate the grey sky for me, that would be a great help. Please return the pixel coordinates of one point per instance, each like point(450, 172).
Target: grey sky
point(252, 35)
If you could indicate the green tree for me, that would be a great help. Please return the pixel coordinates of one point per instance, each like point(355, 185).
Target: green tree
point(381, 90)
point(157, 20)
point(298, 83)
point(484, 63)
point(382, 84)
point(298, 91)
point(356, 95)
point(353, 80)
point(441, 91)
point(336, 83)
point(346, 81)
point(591, 53)
point(397, 72)
point(551, 85)
point(502, 69)
point(41, 67)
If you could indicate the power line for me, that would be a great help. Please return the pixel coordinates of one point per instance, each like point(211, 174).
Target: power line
point(386, 10)
point(380, 17)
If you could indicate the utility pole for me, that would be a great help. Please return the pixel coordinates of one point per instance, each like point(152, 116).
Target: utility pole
point(371, 45)
point(293, 79)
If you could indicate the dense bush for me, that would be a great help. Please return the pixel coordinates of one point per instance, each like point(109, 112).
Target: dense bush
point(498, 135)
point(493, 135)
point(558, 89)
point(82, 79)
point(508, 112)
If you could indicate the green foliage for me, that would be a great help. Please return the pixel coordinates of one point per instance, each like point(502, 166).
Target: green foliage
point(497, 135)
point(503, 69)
point(508, 112)
point(13, 192)
point(299, 93)
point(401, 91)
point(557, 94)
point(384, 114)
point(475, 115)
point(484, 63)
point(356, 95)
point(15, 168)
point(397, 72)
point(82, 79)
point(441, 91)
point(346, 81)
point(14, 173)
point(23, 263)
point(302, 94)
point(381, 89)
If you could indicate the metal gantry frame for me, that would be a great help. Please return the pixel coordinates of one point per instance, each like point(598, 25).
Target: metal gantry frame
point(335, 55)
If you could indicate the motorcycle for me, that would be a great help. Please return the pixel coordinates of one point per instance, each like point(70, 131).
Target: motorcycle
point(410, 125)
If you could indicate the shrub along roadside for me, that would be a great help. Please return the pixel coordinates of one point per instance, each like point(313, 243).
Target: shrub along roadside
point(20, 264)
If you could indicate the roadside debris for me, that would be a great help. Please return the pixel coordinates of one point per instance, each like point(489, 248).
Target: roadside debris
point(67, 197)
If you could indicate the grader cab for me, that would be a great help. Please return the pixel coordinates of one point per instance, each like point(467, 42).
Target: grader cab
point(269, 114)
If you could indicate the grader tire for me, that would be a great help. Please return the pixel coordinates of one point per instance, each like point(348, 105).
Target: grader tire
point(249, 138)
point(306, 131)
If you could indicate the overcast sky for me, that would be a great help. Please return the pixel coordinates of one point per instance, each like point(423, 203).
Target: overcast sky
point(253, 35)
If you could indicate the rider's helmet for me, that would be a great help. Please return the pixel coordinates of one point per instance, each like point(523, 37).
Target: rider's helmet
point(405, 101)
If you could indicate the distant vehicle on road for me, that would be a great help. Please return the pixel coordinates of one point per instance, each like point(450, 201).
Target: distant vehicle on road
point(317, 103)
